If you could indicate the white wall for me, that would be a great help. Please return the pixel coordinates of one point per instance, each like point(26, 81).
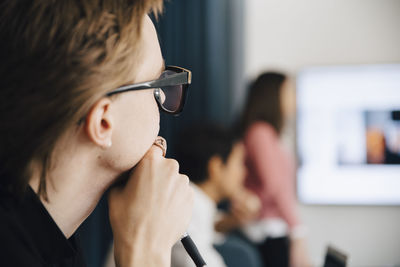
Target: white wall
point(289, 35)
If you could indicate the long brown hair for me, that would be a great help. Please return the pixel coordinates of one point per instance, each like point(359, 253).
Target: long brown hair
point(57, 59)
point(264, 101)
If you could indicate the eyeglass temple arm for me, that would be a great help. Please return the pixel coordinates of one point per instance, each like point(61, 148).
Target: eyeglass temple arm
point(174, 79)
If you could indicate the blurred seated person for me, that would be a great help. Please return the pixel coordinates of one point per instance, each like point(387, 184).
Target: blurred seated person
point(271, 172)
point(214, 161)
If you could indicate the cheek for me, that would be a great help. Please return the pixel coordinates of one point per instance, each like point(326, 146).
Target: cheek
point(147, 118)
point(146, 123)
point(138, 129)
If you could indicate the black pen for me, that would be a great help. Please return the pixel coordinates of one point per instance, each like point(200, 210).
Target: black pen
point(192, 250)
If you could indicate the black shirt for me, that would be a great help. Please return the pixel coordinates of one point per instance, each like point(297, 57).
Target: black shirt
point(30, 237)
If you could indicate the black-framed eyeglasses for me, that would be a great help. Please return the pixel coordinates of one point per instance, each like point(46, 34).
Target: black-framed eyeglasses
point(170, 89)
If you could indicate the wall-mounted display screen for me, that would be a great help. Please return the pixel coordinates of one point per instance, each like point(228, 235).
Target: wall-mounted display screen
point(348, 135)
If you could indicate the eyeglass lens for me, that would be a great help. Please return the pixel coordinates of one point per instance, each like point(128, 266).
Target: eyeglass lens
point(171, 95)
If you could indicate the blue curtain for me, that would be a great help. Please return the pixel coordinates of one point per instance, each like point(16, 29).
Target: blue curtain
point(205, 36)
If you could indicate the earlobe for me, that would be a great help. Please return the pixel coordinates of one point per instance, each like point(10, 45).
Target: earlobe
point(99, 123)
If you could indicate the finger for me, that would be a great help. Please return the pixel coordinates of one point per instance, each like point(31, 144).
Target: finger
point(161, 143)
point(154, 151)
point(159, 147)
point(153, 156)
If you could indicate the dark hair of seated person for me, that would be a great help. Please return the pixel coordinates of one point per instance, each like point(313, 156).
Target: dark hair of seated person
point(198, 144)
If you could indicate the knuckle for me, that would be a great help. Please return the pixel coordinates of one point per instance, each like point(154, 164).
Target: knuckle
point(174, 165)
point(182, 184)
point(185, 179)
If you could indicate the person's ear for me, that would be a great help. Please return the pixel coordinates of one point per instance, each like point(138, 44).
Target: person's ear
point(214, 167)
point(99, 123)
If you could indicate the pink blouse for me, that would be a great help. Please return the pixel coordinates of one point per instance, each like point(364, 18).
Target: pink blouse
point(271, 173)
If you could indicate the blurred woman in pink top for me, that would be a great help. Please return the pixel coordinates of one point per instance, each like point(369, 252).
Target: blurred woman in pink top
point(271, 172)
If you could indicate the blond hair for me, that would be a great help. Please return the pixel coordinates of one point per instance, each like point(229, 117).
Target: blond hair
point(57, 59)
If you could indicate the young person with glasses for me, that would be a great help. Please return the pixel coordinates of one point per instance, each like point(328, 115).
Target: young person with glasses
point(81, 86)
